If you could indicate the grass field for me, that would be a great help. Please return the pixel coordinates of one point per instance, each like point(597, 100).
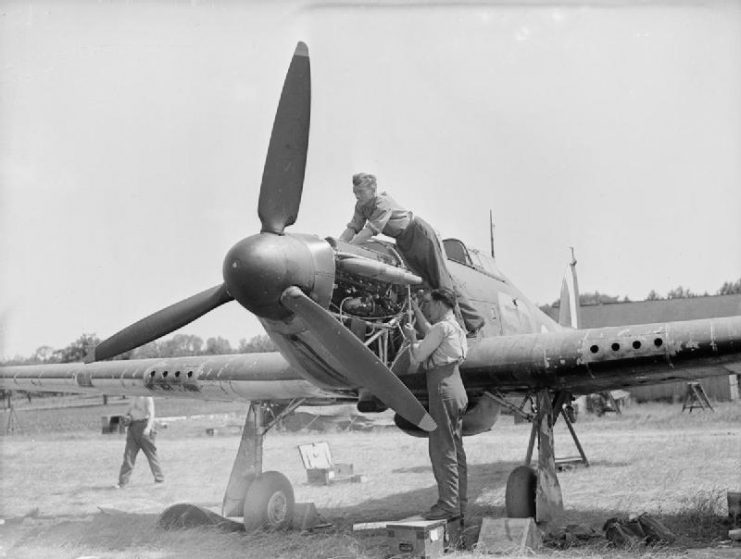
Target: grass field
point(55, 484)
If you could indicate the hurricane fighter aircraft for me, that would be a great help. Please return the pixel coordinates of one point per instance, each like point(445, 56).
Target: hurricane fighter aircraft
point(335, 312)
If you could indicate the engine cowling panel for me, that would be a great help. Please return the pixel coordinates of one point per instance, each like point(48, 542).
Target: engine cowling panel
point(479, 418)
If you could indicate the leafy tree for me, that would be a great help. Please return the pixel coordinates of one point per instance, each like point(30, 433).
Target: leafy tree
point(43, 354)
point(257, 344)
point(77, 350)
point(181, 345)
point(147, 351)
point(680, 293)
point(730, 288)
point(218, 346)
point(653, 296)
point(597, 298)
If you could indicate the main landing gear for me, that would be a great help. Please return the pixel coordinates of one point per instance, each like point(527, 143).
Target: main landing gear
point(537, 493)
point(263, 499)
point(269, 502)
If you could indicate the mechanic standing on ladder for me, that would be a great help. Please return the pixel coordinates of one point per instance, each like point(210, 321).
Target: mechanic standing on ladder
point(440, 353)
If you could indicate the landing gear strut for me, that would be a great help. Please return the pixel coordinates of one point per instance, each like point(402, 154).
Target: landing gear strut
point(538, 494)
point(263, 499)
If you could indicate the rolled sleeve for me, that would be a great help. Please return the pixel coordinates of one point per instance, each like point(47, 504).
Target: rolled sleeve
point(424, 349)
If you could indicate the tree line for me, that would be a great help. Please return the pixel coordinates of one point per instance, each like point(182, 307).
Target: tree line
point(180, 345)
point(597, 298)
point(728, 288)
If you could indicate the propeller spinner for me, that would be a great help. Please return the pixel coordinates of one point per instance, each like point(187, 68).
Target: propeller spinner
point(270, 272)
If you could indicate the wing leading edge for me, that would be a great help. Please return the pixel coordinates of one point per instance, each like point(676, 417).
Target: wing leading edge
point(247, 377)
point(584, 361)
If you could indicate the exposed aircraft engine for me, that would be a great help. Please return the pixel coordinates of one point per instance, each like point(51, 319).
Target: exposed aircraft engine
point(371, 294)
point(370, 284)
point(372, 310)
point(356, 296)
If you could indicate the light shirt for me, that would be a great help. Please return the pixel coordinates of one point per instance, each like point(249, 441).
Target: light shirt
point(444, 343)
point(141, 407)
point(381, 214)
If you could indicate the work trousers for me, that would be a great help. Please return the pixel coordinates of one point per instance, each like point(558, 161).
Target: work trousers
point(448, 403)
point(420, 247)
point(136, 440)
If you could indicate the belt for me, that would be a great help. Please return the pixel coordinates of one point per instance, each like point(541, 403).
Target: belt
point(402, 231)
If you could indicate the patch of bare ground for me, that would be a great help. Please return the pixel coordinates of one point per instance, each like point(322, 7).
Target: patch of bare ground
point(58, 500)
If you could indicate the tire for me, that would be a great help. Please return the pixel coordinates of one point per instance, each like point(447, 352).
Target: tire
point(269, 503)
point(519, 497)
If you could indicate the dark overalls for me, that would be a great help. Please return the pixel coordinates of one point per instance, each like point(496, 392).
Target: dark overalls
point(448, 403)
point(419, 245)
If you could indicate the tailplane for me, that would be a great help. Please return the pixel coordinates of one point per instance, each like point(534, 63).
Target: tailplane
point(569, 312)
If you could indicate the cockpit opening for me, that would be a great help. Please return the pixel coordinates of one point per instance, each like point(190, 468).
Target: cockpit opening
point(458, 252)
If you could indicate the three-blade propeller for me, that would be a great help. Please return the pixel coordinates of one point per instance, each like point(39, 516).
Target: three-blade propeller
point(252, 269)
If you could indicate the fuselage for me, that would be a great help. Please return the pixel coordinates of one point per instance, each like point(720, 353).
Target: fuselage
point(519, 349)
point(367, 289)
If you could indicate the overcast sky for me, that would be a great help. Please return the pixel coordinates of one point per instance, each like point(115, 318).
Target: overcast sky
point(133, 135)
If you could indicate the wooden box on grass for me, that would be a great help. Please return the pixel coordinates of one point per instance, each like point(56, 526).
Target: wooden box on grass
point(320, 469)
point(424, 539)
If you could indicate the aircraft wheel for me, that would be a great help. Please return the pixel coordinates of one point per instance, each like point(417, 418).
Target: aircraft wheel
point(269, 502)
point(519, 497)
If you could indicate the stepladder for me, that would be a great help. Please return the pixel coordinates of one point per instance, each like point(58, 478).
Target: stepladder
point(695, 398)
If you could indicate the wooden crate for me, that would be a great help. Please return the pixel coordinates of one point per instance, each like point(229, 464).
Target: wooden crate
point(320, 469)
point(423, 539)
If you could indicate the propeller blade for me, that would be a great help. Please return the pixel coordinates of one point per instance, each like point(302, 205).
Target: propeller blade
point(283, 175)
point(361, 364)
point(160, 323)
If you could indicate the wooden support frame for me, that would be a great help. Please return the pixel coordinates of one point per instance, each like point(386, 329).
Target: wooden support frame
point(695, 398)
point(560, 399)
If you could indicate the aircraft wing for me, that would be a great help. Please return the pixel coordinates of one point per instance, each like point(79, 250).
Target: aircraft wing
point(597, 359)
point(247, 377)
point(579, 361)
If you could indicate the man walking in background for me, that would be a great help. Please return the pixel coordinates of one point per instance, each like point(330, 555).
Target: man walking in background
point(140, 435)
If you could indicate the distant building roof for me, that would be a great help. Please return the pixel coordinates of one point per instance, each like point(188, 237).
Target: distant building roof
point(663, 310)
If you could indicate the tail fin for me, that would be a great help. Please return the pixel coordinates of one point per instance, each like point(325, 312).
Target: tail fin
point(569, 312)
